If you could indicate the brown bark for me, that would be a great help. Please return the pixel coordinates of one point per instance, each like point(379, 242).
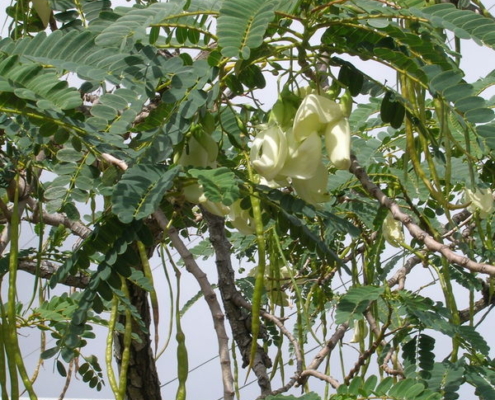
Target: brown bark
point(235, 314)
point(142, 376)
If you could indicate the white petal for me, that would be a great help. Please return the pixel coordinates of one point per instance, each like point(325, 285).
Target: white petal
point(268, 152)
point(313, 190)
point(392, 230)
point(481, 199)
point(338, 144)
point(303, 158)
point(314, 113)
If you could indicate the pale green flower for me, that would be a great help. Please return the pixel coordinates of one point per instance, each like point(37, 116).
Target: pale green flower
point(338, 143)
point(313, 190)
point(269, 151)
point(303, 158)
point(392, 230)
point(481, 199)
point(194, 193)
point(314, 114)
point(241, 219)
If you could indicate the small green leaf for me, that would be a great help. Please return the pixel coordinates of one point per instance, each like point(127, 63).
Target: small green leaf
point(219, 184)
point(49, 353)
point(61, 368)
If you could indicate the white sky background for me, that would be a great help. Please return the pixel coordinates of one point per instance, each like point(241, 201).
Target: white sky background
point(205, 382)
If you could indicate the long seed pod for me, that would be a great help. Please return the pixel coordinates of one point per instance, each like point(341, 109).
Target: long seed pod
point(182, 356)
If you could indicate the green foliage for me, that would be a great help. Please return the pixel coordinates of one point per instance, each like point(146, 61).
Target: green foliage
point(357, 299)
point(96, 161)
point(139, 192)
point(241, 26)
point(219, 184)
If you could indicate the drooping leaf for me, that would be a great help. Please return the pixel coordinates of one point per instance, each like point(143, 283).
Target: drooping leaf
point(355, 301)
point(139, 192)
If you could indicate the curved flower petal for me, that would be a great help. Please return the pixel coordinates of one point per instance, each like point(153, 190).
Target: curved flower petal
point(216, 208)
point(313, 190)
point(392, 230)
point(269, 151)
point(481, 199)
point(303, 158)
point(338, 144)
point(194, 193)
point(314, 113)
point(241, 219)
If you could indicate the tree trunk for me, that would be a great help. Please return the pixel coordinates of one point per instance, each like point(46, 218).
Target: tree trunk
point(142, 376)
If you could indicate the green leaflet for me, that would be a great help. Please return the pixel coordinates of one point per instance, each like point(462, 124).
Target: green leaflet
point(219, 184)
point(241, 25)
point(355, 301)
point(31, 81)
point(132, 26)
point(464, 23)
point(418, 356)
point(139, 192)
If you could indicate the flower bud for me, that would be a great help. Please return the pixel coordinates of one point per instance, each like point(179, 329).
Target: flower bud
point(346, 103)
point(392, 230)
point(241, 219)
point(481, 199)
point(338, 143)
point(360, 331)
point(269, 151)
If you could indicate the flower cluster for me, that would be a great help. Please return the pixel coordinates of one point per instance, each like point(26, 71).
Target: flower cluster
point(201, 151)
point(290, 149)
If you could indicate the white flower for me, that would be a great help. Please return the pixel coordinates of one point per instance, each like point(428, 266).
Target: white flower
point(241, 219)
point(338, 143)
point(201, 151)
point(481, 199)
point(303, 158)
point(314, 114)
point(269, 151)
point(219, 209)
point(392, 230)
point(313, 190)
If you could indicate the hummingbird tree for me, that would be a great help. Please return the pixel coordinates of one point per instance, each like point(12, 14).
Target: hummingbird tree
point(265, 128)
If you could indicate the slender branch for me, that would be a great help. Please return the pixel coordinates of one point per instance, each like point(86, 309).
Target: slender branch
point(317, 374)
point(47, 269)
point(414, 229)
point(210, 297)
point(400, 276)
point(56, 219)
point(325, 351)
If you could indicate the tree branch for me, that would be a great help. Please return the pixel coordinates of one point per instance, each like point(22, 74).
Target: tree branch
point(56, 219)
point(414, 229)
point(233, 301)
